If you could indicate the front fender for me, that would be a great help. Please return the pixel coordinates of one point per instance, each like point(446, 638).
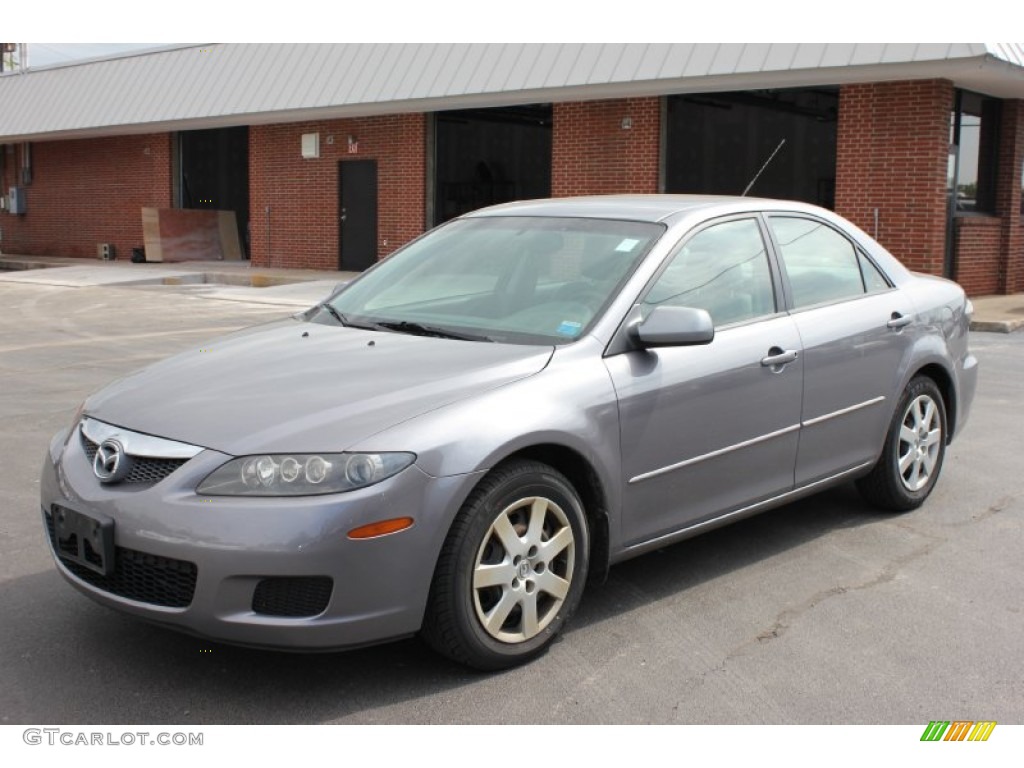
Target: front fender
point(570, 404)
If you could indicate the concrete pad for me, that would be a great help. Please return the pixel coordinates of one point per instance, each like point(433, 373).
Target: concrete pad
point(72, 277)
point(1001, 314)
point(219, 280)
point(298, 295)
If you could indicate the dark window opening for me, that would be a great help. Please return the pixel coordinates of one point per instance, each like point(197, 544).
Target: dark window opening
point(716, 143)
point(489, 156)
point(215, 174)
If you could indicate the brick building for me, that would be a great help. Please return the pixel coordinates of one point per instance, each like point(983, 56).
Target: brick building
point(332, 156)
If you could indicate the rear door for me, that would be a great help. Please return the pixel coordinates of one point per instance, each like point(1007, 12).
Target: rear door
point(852, 326)
point(708, 429)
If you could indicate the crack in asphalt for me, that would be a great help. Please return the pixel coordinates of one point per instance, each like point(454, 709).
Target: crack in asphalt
point(785, 618)
point(1000, 505)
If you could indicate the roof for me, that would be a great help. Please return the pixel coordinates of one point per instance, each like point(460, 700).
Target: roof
point(650, 208)
point(222, 84)
point(642, 207)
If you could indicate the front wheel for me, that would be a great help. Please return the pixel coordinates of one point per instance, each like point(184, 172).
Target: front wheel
point(915, 446)
point(512, 568)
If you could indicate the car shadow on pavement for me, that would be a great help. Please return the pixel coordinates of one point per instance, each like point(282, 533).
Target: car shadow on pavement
point(68, 660)
point(687, 564)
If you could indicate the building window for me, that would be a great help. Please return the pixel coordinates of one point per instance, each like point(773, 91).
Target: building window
point(974, 153)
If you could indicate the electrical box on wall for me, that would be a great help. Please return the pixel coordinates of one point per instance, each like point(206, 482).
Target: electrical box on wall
point(310, 146)
point(16, 200)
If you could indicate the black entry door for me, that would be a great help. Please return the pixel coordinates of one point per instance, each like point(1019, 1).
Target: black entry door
point(357, 214)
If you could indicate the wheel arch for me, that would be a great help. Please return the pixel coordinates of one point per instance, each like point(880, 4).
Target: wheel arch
point(944, 381)
point(583, 476)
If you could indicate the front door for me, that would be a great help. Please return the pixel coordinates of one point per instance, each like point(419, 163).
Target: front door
point(357, 214)
point(708, 429)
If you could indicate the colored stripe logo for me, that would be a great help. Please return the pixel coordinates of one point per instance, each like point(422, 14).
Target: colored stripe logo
point(958, 730)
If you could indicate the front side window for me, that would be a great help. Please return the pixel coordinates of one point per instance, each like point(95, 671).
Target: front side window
point(722, 269)
point(822, 265)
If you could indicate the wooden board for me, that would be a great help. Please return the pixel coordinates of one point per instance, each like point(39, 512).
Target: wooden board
point(179, 234)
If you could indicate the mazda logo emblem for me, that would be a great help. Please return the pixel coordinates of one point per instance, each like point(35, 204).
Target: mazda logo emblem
point(111, 464)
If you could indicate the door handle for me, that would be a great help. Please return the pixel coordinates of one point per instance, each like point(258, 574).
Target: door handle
point(899, 321)
point(779, 357)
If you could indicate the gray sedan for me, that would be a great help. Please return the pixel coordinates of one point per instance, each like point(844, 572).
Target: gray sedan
point(455, 443)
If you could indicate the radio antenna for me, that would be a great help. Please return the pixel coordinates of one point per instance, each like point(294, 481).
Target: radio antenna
point(766, 162)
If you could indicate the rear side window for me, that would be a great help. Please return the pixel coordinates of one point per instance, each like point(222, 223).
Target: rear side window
point(874, 280)
point(822, 265)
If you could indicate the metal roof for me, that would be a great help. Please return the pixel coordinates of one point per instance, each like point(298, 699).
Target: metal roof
point(252, 83)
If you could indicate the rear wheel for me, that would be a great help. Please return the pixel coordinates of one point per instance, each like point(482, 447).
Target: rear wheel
point(914, 450)
point(512, 569)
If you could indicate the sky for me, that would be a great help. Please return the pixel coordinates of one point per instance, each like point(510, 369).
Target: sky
point(45, 54)
point(470, 21)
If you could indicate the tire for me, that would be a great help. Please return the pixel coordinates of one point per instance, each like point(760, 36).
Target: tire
point(512, 569)
point(915, 447)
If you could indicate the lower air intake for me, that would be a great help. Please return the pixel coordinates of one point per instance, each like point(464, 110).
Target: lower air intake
point(293, 597)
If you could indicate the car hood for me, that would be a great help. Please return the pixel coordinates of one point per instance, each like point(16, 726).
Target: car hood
point(302, 387)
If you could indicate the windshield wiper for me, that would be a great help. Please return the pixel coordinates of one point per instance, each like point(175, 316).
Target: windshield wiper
point(418, 329)
point(342, 320)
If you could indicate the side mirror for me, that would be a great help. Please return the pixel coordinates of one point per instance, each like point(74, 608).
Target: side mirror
point(674, 327)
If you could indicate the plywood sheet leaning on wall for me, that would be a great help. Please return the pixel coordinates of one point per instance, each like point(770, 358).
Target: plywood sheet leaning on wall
point(177, 234)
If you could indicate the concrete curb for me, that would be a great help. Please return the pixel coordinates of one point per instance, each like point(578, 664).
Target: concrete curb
point(997, 326)
point(16, 265)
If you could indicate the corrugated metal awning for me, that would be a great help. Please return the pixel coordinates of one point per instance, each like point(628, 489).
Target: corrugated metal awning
point(237, 84)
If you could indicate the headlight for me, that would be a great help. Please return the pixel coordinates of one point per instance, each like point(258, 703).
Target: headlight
point(60, 440)
point(302, 474)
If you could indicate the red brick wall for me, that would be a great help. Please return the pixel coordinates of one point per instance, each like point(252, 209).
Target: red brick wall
point(978, 241)
point(303, 194)
point(892, 148)
point(593, 154)
point(1008, 196)
point(85, 192)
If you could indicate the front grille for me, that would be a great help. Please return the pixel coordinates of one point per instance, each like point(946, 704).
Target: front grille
point(138, 575)
point(144, 469)
point(294, 596)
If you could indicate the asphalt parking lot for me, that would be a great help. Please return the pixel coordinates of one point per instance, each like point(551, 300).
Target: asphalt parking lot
point(820, 612)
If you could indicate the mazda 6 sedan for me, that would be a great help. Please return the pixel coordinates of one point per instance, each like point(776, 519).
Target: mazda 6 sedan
point(456, 442)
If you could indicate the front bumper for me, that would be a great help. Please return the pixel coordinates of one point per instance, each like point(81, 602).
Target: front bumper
point(968, 380)
point(238, 570)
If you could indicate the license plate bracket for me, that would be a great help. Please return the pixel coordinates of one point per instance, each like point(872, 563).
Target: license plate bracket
point(87, 540)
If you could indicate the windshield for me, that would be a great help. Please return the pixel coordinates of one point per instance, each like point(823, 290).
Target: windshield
point(517, 279)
